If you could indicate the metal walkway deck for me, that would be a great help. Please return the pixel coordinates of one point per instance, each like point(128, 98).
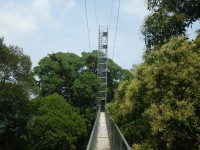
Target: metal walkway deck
point(103, 141)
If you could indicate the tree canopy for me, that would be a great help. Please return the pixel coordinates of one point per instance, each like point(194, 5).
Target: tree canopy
point(115, 73)
point(63, 69)
point(159, 107)
point(56, 124)
point(15, 66)
point(15, 85)
point(74, 77)
point(57, 71)
point(168, 19)
point(84, 90)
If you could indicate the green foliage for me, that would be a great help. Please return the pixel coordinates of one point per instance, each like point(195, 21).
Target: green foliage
point(14, 106)
point(115, 73)
point(115, 76)
point(55, 124)
point(57, 71)
point(90, 60)
point(168, 19)
point(159, 107)
point(16, 83)
point(63, 69)
point(84, 90)
point(15, 66)
point(75, 79)
point(52, 122)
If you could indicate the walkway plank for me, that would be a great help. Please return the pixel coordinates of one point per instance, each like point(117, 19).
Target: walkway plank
point(103, 142)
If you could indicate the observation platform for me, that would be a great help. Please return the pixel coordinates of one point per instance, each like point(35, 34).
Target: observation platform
point(103, 141)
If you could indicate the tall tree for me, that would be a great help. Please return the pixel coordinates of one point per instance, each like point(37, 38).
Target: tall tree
point(15, 82)
point(61, 69)
point(115, 73)
point(14, 108)
point(159, 108)
point(55, 124)
point(69, 76)
point(58, 71)
point(168, 19)
point(84, 90)
point(14, 65)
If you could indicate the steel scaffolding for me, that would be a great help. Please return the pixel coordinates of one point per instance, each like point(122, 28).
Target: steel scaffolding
point(102, 66)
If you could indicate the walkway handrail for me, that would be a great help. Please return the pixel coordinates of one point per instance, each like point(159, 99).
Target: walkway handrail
point(93, 136)
point(118, 142)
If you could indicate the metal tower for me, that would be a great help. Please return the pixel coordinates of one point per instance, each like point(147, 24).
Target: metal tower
point(102, 66)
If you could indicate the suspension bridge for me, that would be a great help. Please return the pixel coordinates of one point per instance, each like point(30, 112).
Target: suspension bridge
point(105, 134)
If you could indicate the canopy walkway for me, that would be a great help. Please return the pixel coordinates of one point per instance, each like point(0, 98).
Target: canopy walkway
point(106, 135)
point(103, 141)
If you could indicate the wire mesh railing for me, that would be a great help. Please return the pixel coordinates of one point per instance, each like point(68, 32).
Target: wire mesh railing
point(93, 136)
point(117, 140)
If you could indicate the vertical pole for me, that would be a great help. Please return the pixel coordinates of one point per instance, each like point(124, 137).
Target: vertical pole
point(102, 66)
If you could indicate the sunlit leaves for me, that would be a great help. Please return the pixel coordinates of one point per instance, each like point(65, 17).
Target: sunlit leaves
point(16, 83)
point(164, 92)
point(168, 19)
point(14, 65)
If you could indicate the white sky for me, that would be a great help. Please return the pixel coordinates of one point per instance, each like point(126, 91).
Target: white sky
point(41, 27)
